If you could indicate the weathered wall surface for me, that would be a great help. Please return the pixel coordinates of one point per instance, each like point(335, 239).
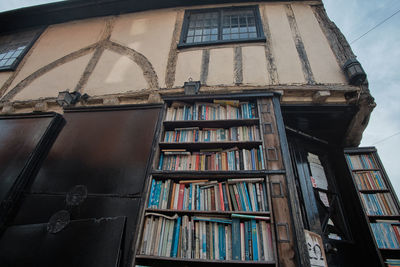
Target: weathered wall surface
point(137, 54)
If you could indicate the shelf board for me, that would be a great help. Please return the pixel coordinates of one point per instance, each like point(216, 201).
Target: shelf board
point(384, 217)
point(214, 174)
point(210, 212)
point(170, 125)
point(199, 145)
point(170, 260)
point(365, 170)
point(367, 191)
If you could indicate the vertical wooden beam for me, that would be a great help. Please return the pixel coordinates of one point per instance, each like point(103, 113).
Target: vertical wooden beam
point(292, 198)
point(238, 65)
point(305, 64)
point(287, 241)
point(205, 62)
point(269, 53)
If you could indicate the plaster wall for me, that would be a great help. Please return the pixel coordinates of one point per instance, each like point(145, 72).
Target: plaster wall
point(283, 46)
point(323, 63)
point(152, 35)
point(149, 33)
point(114, 74)
point(59, 79)
point(4, 77)
point(58, 41)
point(220, 70)
point(188, 66)
point(254, 66)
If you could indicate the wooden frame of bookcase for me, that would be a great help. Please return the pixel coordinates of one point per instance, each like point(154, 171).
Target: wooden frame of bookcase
point(284, 233)
point(381, 252)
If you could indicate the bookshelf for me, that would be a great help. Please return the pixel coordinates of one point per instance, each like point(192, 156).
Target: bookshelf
point(209, 195)
point(378, 201)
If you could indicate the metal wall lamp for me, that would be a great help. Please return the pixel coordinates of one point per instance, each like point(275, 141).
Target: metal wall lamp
point(65, 98)
point(354, 72)
point(192, 87)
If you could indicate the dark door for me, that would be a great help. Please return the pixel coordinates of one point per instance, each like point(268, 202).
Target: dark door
point(321, 200)
point(95, 171)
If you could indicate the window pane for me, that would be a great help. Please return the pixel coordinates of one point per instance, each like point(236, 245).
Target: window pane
point(13, 45)
point(236, 24)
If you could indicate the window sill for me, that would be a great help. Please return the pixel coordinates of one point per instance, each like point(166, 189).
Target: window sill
point(253, 40)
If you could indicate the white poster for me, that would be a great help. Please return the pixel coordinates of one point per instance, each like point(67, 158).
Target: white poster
point(316, 250)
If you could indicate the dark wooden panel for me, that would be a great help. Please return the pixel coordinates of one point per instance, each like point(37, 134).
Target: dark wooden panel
point(18, 140)
point(82, 243)
point(107, 151)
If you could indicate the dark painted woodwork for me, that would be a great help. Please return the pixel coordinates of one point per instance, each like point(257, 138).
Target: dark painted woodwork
point(106, 151)
point(24, 140)
point(327, 122)
point(82, 243)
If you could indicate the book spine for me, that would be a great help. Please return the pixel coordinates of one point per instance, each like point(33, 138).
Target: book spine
point(175, 241)
point(236, 253)
point(254, 238)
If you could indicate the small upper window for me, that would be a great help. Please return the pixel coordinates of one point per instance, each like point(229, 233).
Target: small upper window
point(14, 46)
point(222, 25)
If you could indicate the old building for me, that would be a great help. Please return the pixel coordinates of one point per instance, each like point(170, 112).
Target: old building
point(126, 64)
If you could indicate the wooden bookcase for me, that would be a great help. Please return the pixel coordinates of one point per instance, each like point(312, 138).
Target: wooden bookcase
point(268, 141)
point(378, 200)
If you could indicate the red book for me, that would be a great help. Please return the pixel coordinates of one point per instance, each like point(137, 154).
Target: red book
point(197, 161)
point(221, 197)
point(180, 197)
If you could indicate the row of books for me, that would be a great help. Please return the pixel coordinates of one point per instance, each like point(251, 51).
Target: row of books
point(195, 134)
point(219, 110)
point(224, 160)
point(371, 180)
point(209, 238)
point(247, 194)
point(361, 161)
point(387, 234)
point(393, 262)
point(379, 204)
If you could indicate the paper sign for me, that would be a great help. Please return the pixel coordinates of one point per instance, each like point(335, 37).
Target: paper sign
point(318, 175)
point(324, 198)
point(316, 250)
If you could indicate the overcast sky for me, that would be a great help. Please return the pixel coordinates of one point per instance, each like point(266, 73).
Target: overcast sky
point(379, 54)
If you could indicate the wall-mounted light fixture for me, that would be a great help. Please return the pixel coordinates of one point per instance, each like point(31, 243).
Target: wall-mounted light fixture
point(354, 72)
point(66, 98)
point(192, 87)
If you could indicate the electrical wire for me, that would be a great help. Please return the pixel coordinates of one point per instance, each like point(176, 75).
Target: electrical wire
point(386, 138)
point(376, 26)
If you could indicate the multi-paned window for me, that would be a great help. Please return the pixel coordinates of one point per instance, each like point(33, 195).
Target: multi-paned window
point(14, 46)
point(222, 25)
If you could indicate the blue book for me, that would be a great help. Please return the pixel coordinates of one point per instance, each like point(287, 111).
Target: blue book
point(190, 196)
point(221, 236)
point(160, 163)
point(157, 194)
point(175, 241)
point(198, 197)
point(239, 187)
point(253, 160)
point(151, 200)
point(236, 252)
point(250, 115)
point(262, 157)
point(247, 237)
point(253, 187)
point(247, 197)
point(254, 239)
